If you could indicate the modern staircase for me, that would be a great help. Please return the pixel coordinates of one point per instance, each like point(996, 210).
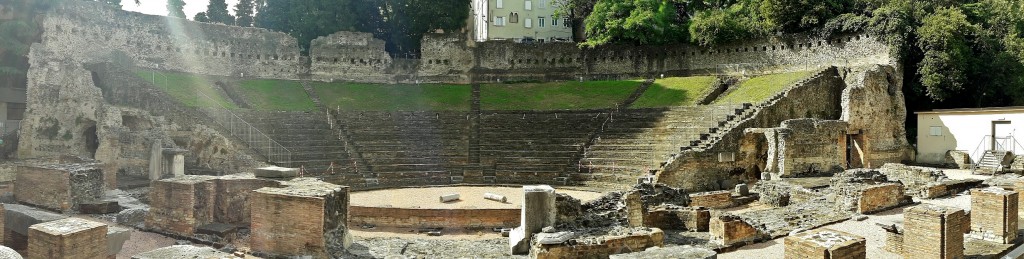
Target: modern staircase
point(991, 162)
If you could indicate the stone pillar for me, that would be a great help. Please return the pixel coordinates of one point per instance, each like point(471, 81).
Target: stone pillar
point(68, 238)
point(634, 209)
point(306, 217)
point(178, 165)
point(933, 231)
point(156, 157)
point(538, 212)
point(994, 215)
point(825, 244)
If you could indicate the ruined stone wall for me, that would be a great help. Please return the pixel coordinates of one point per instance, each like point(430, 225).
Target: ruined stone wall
point(873, 105)
point(806, 147)
point(441, 218)
point(354, 56)
point(83, 31)
point(816, 97)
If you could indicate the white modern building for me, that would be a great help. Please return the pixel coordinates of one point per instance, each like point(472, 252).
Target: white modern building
point(519, 20)
point(973, 131)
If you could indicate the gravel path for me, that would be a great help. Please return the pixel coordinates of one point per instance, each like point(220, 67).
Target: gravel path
point(437, 248)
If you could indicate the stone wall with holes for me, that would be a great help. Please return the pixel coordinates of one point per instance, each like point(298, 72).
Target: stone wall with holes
point(349, 56)
point(805, 147)
point(89, 31)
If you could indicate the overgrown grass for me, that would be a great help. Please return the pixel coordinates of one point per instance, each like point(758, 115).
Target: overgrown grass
point(381, 97)
point(184, 87)
point(675, 91)
point(760, 88)
point(276, 95)
point(555, 95)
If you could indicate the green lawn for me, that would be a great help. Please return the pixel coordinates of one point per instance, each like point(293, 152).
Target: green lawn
point(675, 91)
point(382, 97)
point(276, 95)
point(760, 88)
point(555, 95)
point(185, 87)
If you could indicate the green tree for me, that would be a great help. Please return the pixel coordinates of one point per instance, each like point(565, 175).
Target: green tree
point(943, 36)
point(201, 17)
point(217, 12)
point(634, 21)
point(243, 13)
point(717, 25)
point(306, 20)
point(802, 15)
point(176, 8)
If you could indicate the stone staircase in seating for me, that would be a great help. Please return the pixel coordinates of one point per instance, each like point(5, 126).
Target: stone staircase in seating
point(313, 144)
point(534, 147)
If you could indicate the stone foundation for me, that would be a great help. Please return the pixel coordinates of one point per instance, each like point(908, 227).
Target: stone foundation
point(17, 220)
point(825, 244)
point(682, 218)
point(994, 215)
point(933, 231)
point(305, 217)
point(179, 205)
point(880, 197)
point(58, 187)
point(68, 238)
point(441, 218)
point(599, 247)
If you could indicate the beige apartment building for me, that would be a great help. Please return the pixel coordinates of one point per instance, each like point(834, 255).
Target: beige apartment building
point(519, 20)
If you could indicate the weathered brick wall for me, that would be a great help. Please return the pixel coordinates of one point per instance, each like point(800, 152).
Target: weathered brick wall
point(825, 244)
point(179, 205)
point(807, 147)
point(880, 197)
point(934, 232)
point(70, 238)
point(728, 230)
point(446, 218)
point(231, 203)
point(610, 245)
point(994, 215)
point(322, 208)
point(681, 218)
point(713, 199)
point(894, 242)
point(58, 187)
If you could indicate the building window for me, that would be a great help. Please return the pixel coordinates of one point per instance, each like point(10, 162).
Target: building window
point(529, 5)
point(565, 22)
point(936, 131)
point(540, 22)
point(528, 23)
point(554, 21)
point(542, 4)
point(499, 21)
point(500, 4)
point(513, 18)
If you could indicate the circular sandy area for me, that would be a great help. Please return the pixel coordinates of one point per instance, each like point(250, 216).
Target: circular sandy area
point(471, 197)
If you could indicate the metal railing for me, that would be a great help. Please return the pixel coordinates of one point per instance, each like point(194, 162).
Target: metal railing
point(9, 126)
point(991, 143)
point(275, 152)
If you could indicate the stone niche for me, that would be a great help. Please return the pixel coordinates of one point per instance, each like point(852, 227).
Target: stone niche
point(321, 230)
point(825, 244)
point(68, 238)
point(181, 205)
point(60, 187)
point(728, 230)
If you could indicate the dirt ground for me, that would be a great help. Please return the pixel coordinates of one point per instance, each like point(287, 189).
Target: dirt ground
point(470, 197)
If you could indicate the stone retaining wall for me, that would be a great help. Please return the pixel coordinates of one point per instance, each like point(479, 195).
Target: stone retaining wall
point(434, 218)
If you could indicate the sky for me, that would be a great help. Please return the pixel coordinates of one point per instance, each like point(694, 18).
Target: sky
point(159, 7)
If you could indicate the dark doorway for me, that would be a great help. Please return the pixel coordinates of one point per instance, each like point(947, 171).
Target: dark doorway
point(854, 151)
point(92, 142)
point(1002, 133)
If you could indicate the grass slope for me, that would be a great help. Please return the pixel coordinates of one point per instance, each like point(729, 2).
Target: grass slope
point(555, 95)
point(184, 87)
point(760, 88)
point(380, 97)
point(276, 95)
point(675, 91)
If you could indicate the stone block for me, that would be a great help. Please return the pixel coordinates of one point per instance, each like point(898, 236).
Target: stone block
point(217, 229)
point(678, 218)
point(538, 212)
point(323, 208)
point(994, 215)
point(178, 205)
point(825, 244)
point(634, 239)
point(933, 231)
point(880, 197)
point(134, 217)
point(68, 238)
point(116, 237)
point(681, 252)
point(276, 172)
point(99, 207)
point(18, 218)
point(60, 187)
point(182, 251)
point(634, 209)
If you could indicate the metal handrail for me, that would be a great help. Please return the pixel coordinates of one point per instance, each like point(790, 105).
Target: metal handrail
point(272, 146)
point(999, 147)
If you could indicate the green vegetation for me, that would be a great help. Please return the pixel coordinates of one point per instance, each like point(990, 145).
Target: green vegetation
point(380, 97)
point(276, 95)
point(555, 95)
point(762, 87)
point(183, 86)
point(675, 91)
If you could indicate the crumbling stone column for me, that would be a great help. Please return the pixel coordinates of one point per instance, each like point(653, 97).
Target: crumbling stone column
point(994, 215)
point(155, 160)
point(174, 162)
point(825, 244)
point(634, 209)
point(306, 217)
point(933, 231)
point(68, 238)
point(538, 212)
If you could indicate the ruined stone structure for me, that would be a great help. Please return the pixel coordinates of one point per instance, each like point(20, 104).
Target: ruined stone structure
point(803, 146)
point(825, 244)
point(59, 187)
point(934, 232)
point(994, 215)
point(181, 205)
point(322, 231)
point(68, 238)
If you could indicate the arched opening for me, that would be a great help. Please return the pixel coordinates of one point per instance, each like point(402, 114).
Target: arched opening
point(92, 142)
